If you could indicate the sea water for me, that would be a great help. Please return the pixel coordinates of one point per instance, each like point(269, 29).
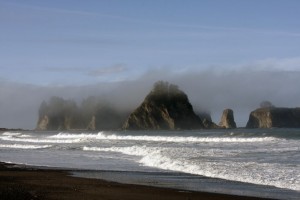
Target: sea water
point(256, 162)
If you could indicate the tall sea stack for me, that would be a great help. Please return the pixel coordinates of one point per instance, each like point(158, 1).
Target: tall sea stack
point(227, 119)
point(166, 107)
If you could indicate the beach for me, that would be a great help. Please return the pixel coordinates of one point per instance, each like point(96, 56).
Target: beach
point(25, 182)
point(87, 165)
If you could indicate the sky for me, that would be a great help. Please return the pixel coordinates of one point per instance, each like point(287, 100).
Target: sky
point(229, 53)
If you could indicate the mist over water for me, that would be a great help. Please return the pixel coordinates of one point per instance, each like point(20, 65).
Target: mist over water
point(208, 90)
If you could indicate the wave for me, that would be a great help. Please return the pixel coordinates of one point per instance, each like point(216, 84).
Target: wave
point(81, 135)
point(177, 139)
point(21, 146)
point(281, 133)
point(41, 140)
point(250, 172)
point(11, 133)
point(14, 137)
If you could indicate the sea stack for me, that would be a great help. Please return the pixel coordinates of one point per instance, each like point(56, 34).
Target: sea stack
point(92, 114)
point(166, 107)
point(227, 119)
point(271, 117)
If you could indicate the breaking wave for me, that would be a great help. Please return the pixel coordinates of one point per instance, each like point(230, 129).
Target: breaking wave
point(177, 139)
point(11, 133)
point(249, 172)
point(19, 137)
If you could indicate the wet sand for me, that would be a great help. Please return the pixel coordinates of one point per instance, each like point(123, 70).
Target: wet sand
point(19, 182)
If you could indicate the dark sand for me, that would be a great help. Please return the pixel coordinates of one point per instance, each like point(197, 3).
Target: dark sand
point(31, 183)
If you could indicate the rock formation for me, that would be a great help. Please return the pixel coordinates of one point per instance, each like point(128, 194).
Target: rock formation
point(165, 107)
point(93, 114)
point(43, 123)
point(274, 117)
point(92, 125)
point(227, 119)
point(58, 114)
point(207, 121)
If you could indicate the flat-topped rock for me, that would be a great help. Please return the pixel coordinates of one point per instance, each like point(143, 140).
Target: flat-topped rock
point(271, 117)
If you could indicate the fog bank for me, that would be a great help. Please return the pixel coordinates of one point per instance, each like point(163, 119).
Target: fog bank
point(209, 90)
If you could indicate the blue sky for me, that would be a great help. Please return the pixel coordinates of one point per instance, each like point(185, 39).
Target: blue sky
point(222, 53)
point(61, 42)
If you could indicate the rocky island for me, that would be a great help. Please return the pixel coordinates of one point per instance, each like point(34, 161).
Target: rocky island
point(166, 107)
point(273, 117)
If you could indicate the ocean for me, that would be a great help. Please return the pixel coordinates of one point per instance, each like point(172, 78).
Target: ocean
point(254, 162)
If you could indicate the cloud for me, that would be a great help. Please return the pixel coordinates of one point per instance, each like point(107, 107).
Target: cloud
point(89, 71)
point(115, 69)
point(286, 64)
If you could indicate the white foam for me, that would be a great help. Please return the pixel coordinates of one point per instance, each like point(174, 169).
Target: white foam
point(250, 172)
point(11, 133)
point(177, 139)
point(39, 140)
point(82, 136)
point(126, 150)
point(21, 146)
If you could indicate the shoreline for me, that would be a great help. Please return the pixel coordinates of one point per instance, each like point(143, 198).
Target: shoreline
point(31, 182)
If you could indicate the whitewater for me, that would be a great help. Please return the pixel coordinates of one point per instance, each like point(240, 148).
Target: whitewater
point(260, 160)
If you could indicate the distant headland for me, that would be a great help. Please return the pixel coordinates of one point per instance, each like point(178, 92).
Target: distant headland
point(166, 107)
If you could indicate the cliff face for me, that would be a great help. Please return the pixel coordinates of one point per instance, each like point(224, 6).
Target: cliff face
point(274, 117)
point(227, 119)
point(165, 107)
